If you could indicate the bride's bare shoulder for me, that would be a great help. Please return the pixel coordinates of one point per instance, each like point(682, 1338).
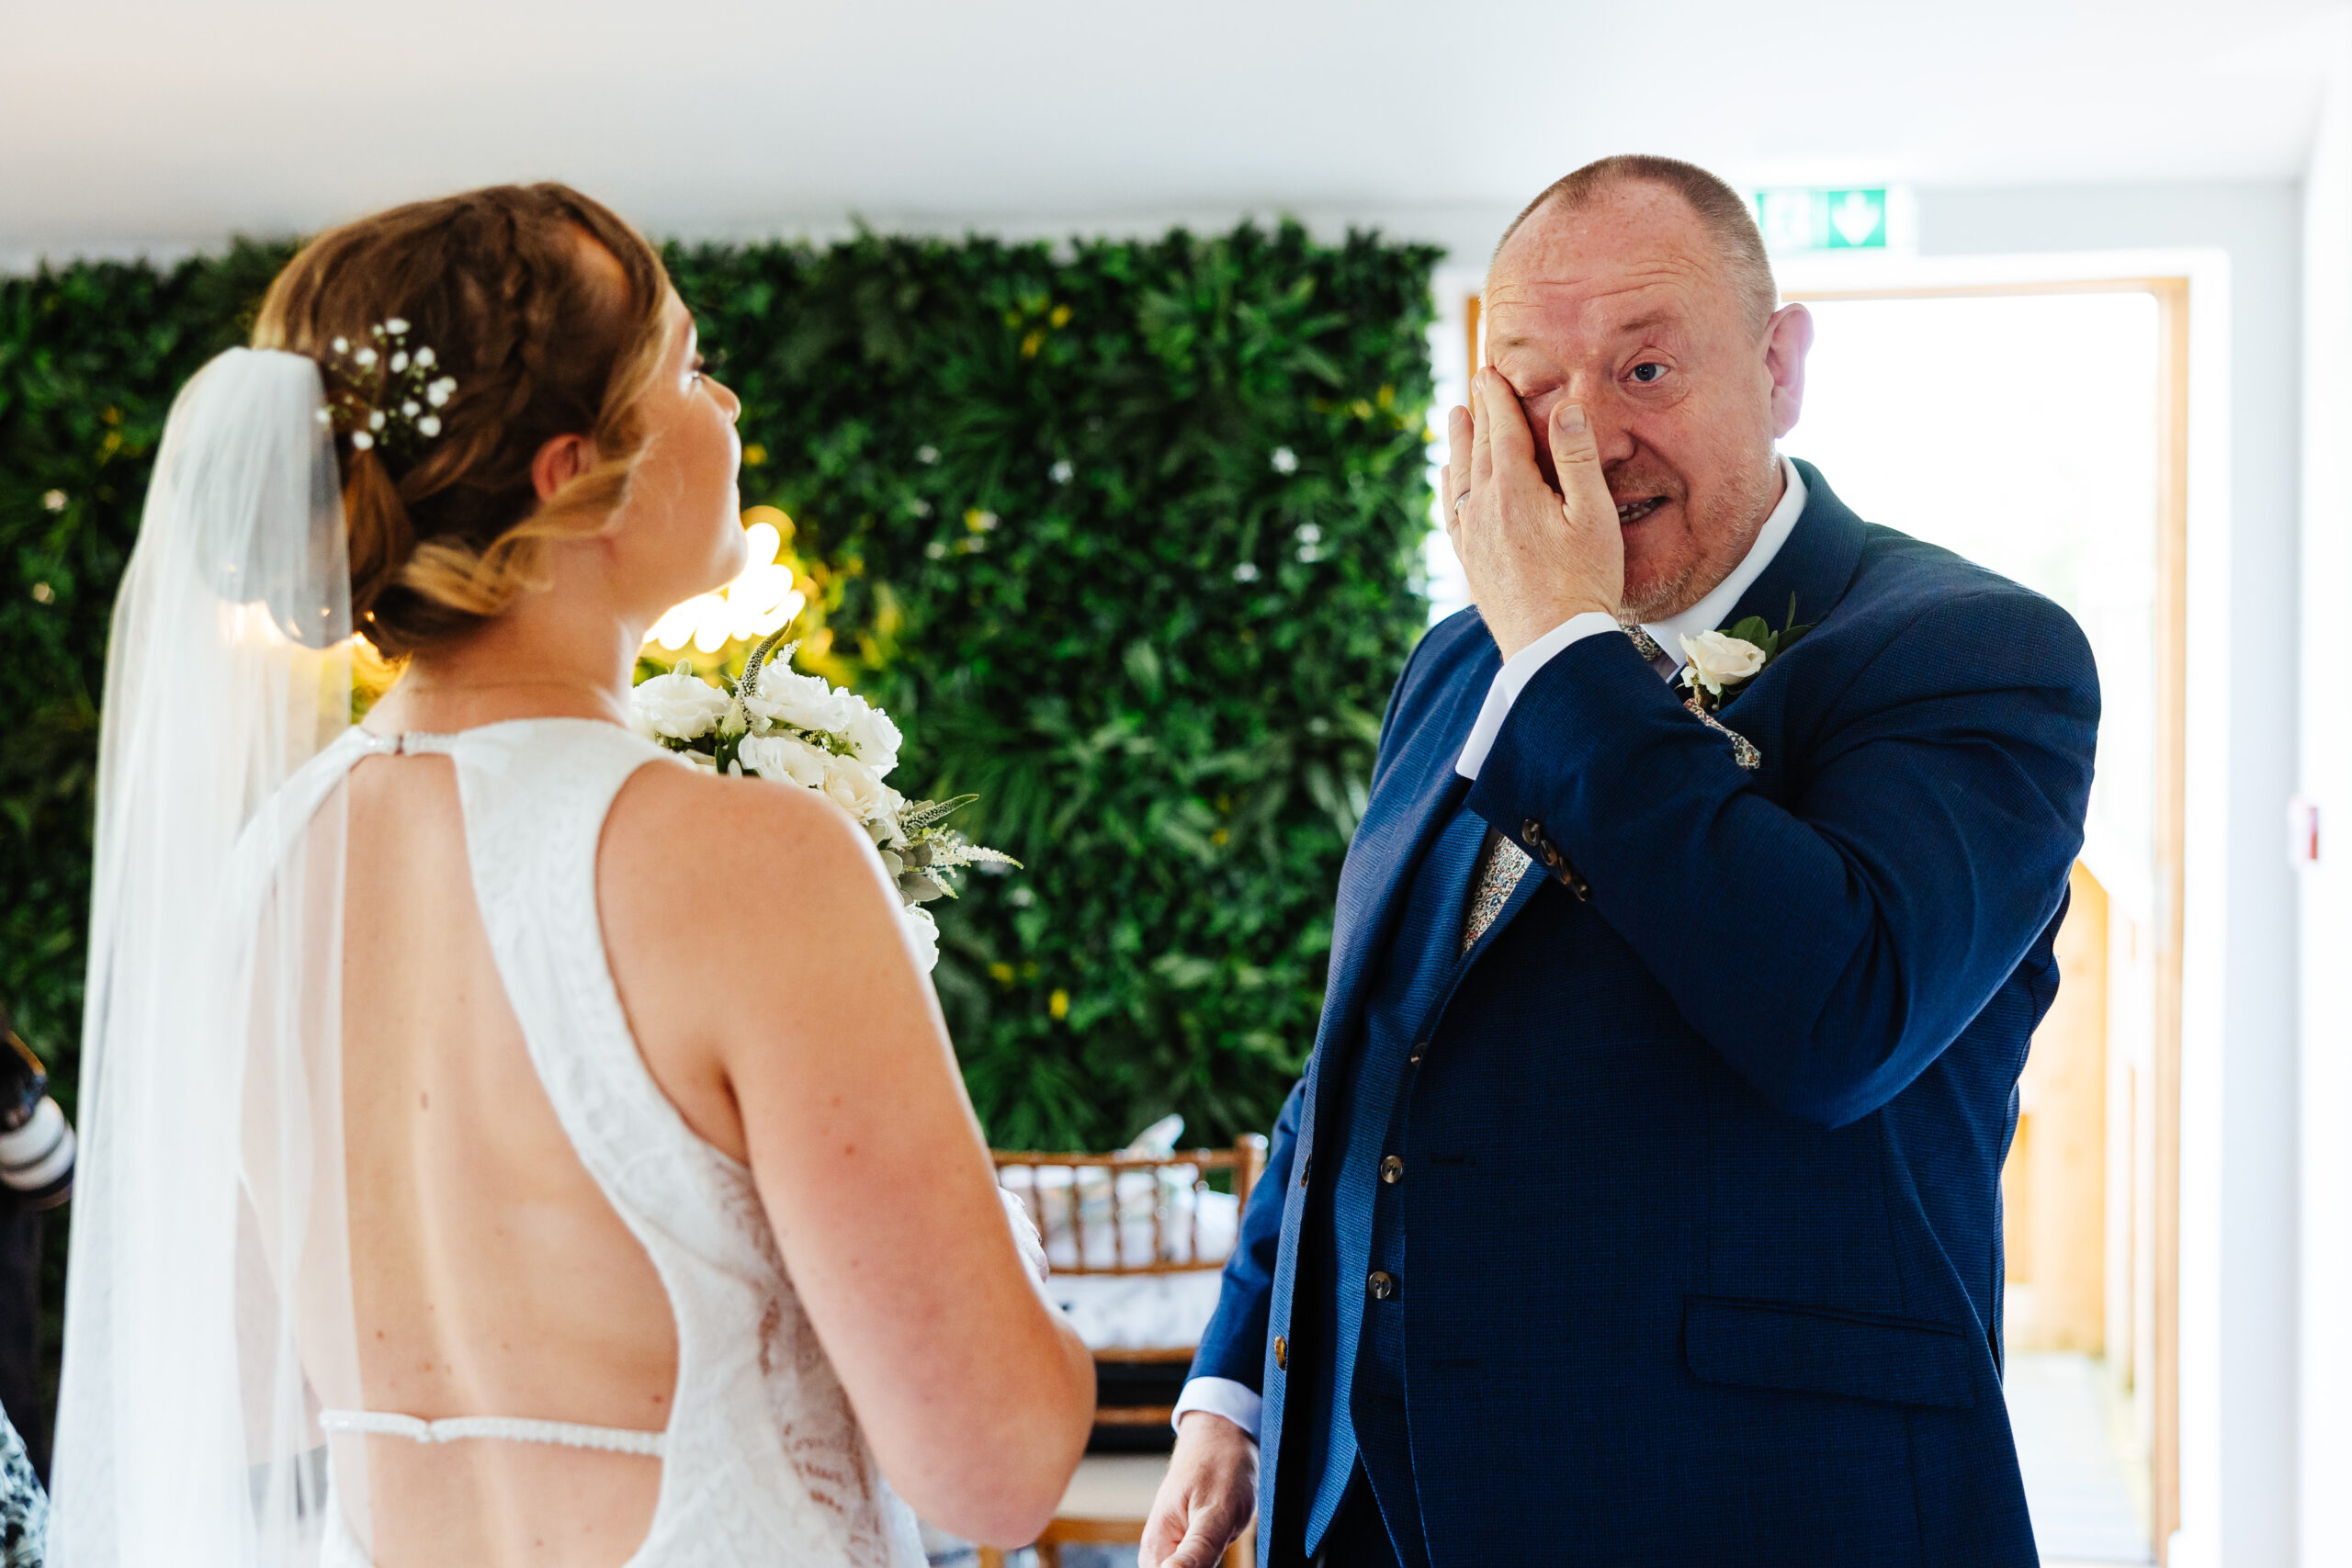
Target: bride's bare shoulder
point(731, 835)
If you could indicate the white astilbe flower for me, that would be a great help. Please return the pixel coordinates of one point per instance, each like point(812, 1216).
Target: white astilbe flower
point(680, 705)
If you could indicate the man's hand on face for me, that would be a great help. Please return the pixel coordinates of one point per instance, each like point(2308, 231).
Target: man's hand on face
point(1535, 557)
point(1207, 1498)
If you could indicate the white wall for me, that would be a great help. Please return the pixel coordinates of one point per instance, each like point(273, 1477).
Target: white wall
point(2326, 887)
point(2240, 1177)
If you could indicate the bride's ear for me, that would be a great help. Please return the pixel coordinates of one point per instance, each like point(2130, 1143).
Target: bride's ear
point(560, 462)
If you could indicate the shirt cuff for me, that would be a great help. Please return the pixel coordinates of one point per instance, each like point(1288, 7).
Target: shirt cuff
point(1513, 678)
point(1237, 1403)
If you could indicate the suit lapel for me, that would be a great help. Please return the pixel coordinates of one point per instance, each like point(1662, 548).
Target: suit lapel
point(1816, 562)
point(1410, 803)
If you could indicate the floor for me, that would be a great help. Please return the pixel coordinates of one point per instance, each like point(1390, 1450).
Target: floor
point(2083, 1511)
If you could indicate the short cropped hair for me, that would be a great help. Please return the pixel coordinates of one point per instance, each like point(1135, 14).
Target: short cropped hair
point(1725, 217)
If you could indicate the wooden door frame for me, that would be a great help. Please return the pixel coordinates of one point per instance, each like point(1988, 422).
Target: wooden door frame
point(2170, 818)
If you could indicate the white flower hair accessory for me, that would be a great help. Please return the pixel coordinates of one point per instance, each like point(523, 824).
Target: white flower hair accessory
point(384, 390)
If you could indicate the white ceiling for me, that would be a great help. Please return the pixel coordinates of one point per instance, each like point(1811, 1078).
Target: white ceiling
point(127, 122)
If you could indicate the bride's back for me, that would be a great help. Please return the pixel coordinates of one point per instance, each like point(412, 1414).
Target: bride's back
point(654, 1218)
point(490, 1274)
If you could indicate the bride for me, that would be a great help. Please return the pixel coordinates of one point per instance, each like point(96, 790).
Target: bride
point(506, 1145)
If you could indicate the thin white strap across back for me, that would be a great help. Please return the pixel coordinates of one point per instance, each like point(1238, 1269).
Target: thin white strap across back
point(504, 1428)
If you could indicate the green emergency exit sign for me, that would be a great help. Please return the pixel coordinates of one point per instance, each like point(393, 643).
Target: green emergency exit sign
point(1813, 217)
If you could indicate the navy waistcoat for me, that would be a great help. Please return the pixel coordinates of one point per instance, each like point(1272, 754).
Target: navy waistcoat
point(1356, 1352)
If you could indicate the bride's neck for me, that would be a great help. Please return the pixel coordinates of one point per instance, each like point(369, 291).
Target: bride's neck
point(533, 662)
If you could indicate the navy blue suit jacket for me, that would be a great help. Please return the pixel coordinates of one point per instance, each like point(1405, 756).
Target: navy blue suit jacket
point(1703, 1189)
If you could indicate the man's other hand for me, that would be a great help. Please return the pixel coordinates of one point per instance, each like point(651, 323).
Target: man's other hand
point(1206, 1501)
point(1535, 557)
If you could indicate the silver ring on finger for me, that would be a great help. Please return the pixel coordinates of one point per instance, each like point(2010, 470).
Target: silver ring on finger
point(1458, 501)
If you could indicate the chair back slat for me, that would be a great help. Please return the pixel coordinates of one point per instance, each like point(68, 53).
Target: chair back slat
point(1245, 1160)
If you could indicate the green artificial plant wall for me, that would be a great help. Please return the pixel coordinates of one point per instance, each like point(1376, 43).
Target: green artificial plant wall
point(1124, 535)
point(1127, 538)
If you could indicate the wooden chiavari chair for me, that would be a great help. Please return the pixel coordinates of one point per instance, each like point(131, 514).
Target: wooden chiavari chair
point(1110, 1497)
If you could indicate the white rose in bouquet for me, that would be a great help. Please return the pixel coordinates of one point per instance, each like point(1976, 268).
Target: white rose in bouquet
point(856, 788)
point(787, 758)
point(680, 705)
point(803, 701)
point(778, 724)
point(873, 739)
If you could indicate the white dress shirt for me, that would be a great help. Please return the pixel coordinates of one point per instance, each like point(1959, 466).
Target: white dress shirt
point(1236, 1402)
point(1706, 616)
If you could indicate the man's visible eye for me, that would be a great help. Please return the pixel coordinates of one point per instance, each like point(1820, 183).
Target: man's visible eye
point(1648, 371)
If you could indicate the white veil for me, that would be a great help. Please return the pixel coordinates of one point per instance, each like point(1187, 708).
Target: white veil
point(210, 1100)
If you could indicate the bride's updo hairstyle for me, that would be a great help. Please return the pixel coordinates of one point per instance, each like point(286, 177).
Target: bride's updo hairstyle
point(543, 337)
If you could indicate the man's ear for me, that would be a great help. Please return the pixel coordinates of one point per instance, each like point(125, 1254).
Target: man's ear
point(560, 462)
point(1786, 342)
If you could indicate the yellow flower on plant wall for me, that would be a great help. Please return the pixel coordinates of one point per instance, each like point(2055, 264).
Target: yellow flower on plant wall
point(754, 454)
point(1058, 1004)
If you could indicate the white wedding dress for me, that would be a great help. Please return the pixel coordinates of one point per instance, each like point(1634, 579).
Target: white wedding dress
point(763, 1460)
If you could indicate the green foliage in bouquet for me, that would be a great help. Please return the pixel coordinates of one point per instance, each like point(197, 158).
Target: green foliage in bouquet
point(1123, 535)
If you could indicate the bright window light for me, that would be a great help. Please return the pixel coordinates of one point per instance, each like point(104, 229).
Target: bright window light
point(760, 601)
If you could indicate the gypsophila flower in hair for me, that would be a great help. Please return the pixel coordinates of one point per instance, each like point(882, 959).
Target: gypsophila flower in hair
point(386, 396)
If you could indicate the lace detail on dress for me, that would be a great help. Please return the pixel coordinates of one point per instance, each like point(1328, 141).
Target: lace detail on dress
point(763, 1462)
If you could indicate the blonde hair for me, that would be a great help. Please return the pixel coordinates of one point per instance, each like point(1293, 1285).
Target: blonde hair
point(506, 285)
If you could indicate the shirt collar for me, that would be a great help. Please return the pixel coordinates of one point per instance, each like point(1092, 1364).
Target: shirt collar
point(1709, 613)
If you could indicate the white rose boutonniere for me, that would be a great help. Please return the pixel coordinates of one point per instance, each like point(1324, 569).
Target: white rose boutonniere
point(1718, 660)
point(1722, 662)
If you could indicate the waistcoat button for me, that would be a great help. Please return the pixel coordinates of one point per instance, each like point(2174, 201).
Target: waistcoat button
point(1383, 1284)
point(1304, 1168)
point(1420, 1049)
point(1392, 1170)
point(1282, 1354)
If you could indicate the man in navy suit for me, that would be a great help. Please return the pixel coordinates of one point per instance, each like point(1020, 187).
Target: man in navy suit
point(1641, 1203)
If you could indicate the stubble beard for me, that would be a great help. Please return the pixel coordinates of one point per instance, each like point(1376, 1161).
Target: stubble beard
point(1681, 588)
point(1662, 598)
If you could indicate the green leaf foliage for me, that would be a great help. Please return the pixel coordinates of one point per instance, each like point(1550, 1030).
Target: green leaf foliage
point(1123, 534)
point(1064, 553)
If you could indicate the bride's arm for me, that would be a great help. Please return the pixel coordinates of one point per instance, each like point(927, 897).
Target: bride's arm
point(827, 1046)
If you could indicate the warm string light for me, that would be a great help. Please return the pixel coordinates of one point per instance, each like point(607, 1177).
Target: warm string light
point(761, 600)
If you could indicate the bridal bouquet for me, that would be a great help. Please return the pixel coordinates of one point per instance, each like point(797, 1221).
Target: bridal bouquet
point(779, 724)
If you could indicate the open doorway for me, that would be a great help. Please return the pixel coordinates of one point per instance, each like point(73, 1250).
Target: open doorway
point(2081, 389)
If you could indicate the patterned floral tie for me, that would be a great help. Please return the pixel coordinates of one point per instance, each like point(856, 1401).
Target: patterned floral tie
point(1502, 862)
